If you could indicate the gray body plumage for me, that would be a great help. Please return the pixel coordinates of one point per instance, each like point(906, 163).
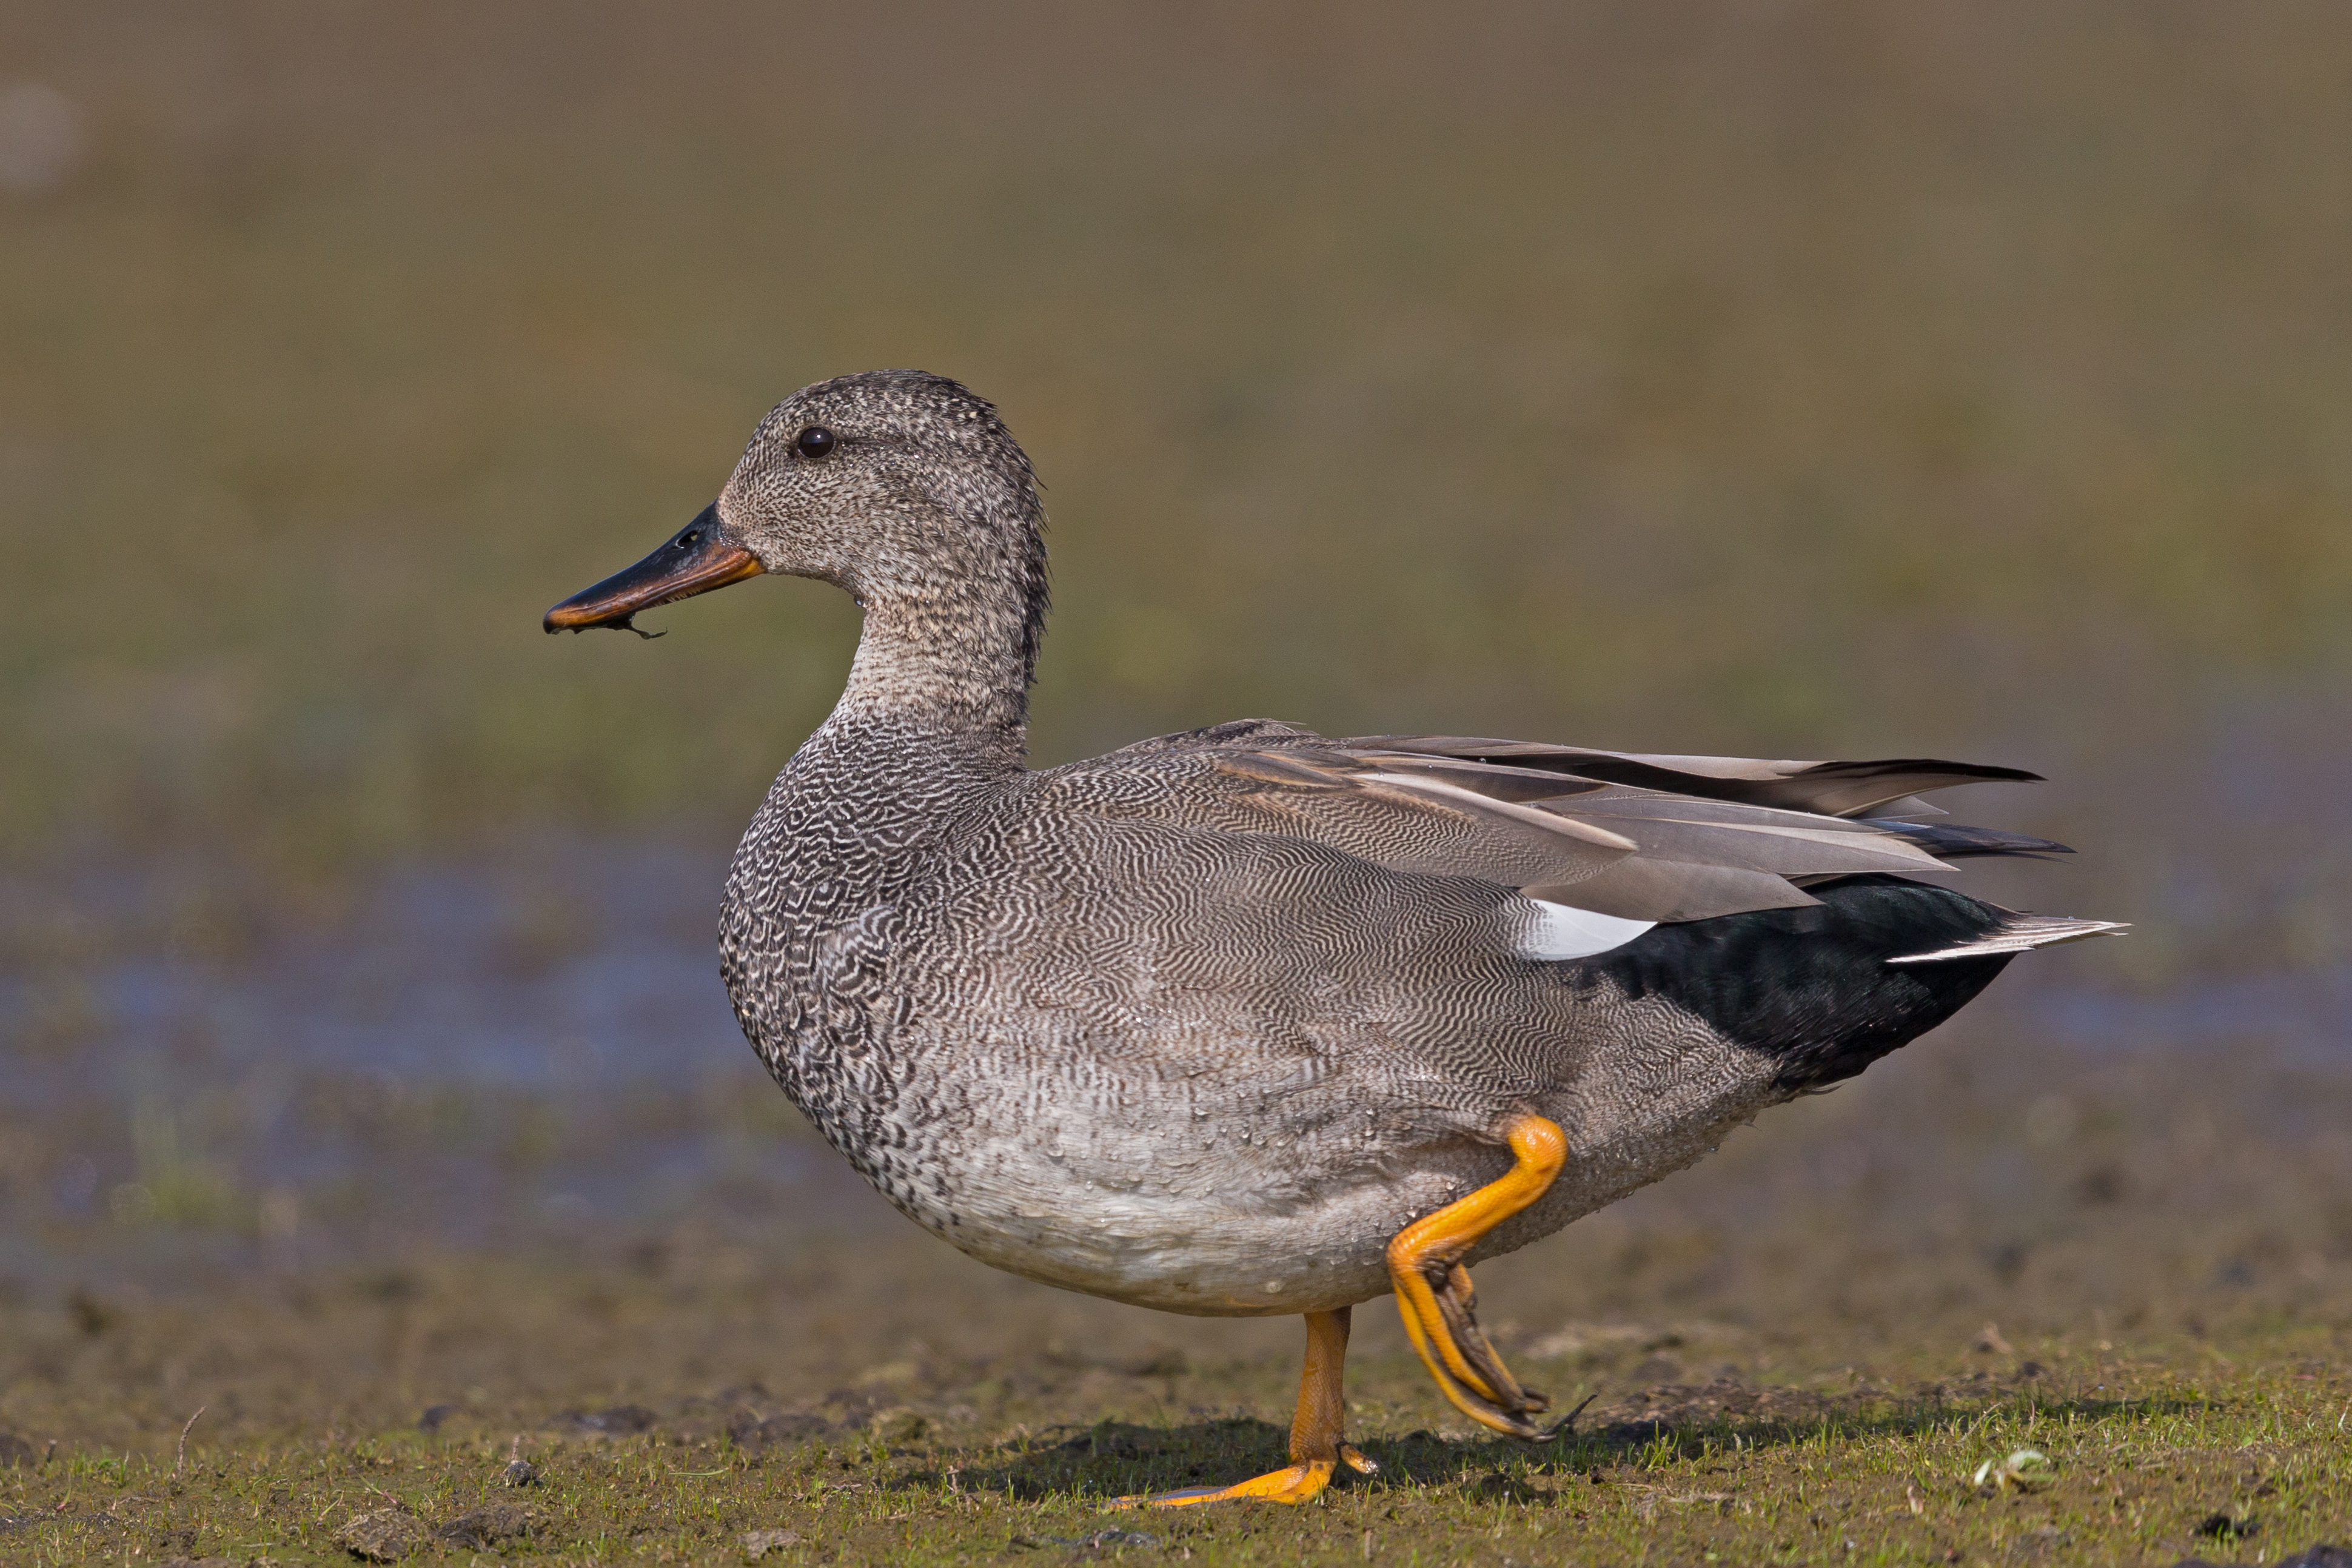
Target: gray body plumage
point(1202, 1023)
point(1086, 1032)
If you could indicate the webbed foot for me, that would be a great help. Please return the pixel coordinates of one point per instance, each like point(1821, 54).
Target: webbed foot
point(1316, 1446)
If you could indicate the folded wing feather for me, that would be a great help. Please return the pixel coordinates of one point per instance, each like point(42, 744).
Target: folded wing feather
point(1434, 830)
point(1629, 836)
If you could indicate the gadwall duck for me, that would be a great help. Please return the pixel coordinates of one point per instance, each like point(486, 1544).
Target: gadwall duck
point(1248, 1021)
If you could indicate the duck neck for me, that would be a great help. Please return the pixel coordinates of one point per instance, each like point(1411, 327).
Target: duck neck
point(933, 720)
point(947, 667)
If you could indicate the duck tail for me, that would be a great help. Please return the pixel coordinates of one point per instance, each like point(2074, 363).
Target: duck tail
point(2018, 933)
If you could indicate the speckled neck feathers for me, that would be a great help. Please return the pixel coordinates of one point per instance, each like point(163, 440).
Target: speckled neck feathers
point(954, 666)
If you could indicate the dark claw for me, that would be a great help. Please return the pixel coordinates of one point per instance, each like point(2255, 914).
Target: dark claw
point(1457, 1304)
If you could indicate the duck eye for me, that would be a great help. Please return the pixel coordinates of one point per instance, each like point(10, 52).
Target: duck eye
point(816, 442)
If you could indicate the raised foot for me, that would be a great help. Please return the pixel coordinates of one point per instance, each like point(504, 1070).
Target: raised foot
point(1433, 1293)
point(1301, 1482)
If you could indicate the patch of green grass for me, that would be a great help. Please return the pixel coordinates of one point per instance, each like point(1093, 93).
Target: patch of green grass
point(2227, 1448)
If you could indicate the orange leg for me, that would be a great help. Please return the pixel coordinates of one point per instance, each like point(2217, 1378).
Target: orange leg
point(1432, 1288)
point(1316, 1446)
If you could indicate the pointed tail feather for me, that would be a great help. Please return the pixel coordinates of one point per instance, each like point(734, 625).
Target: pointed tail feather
point(2019, 934)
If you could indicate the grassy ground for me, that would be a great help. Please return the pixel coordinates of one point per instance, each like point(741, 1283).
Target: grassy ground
point(1708, 1442)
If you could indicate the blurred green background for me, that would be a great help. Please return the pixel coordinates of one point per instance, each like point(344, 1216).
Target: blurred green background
point(1793, 380)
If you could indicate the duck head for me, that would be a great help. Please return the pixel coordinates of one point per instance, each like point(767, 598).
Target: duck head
point(902, 488)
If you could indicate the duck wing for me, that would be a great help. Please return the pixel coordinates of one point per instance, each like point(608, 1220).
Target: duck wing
point(1629, 836)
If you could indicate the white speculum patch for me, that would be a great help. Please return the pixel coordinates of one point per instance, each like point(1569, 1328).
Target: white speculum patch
point(1553, 931)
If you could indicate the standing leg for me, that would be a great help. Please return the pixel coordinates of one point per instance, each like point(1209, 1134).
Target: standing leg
point(1315, 1444)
